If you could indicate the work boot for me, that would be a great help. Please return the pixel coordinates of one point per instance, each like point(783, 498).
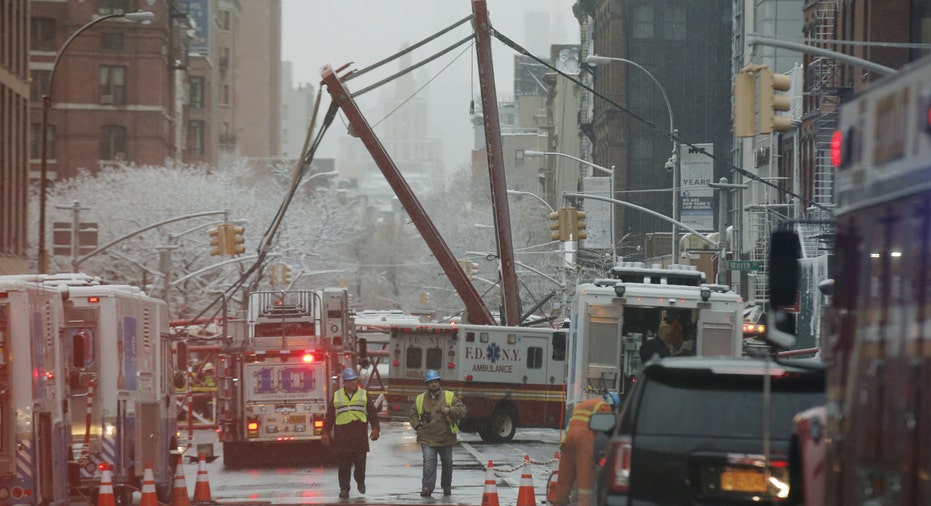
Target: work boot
point(361, 488)
point(447, 491)
point(343, 494)
point(425, 492)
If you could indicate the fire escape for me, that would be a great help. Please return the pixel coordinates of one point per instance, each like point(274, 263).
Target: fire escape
point(826, 86)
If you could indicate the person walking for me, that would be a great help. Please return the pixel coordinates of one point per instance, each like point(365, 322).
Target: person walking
point(435, 415)
point(348, 415)
point(577, 450)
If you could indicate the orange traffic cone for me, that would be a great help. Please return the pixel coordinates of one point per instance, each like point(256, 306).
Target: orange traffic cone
point(202, 487)
point(179, 495)
point(105, 492)
point(554, 478)
point(525, 495)
point(490, 496)
point(149, 497)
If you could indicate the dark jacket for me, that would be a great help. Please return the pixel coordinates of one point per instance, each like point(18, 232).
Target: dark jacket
point(653, 346)
point(352, 437)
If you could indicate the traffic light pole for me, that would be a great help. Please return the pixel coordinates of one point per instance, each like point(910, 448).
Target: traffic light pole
point(107, 246)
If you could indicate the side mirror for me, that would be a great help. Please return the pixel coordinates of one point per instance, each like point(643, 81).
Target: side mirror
point(602, 422)
point(785, 249)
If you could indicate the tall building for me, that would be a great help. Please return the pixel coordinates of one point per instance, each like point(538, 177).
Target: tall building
point(14, 125)
point(679, 43)
point(110, 91)
point(297, 107)
point(258, 79)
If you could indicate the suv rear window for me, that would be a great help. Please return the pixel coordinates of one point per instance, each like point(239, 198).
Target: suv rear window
point(723, 406)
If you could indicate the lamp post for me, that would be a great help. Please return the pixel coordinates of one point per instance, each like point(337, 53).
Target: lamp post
point(673, 163)
point(610, 172)
point(141, 16)
point(534, 195)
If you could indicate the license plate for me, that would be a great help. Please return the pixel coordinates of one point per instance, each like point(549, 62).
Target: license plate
point(739, 480)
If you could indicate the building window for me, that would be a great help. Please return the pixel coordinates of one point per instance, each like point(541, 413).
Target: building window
point(225, 99)
point(112, 85)
point(113, 6)
point(39, 85)
point(42, 34)
point(35, 142)
point(113, 142)
point(225, 20)
point(675, 23)
point(111, 41)
point(195, 138)
point(196, 92)
point(642, 21)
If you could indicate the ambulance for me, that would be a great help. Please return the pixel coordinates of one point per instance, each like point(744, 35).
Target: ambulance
point(508, 377)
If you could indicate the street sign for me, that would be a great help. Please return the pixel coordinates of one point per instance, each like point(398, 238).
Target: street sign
point(61, 238)
point(744, 265)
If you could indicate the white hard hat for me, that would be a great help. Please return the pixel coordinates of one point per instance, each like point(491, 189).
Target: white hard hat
point(208, 367)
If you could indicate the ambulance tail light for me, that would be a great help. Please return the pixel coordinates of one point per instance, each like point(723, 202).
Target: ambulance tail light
point(450, 365)
point(468, 377)
point(308, 358)
point(395, 363)
point(93, 300)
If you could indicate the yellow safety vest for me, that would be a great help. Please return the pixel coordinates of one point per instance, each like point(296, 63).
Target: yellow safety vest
point(349, 410)
point(453, 426)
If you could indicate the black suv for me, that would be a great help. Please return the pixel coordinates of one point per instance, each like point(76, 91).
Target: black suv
point(692, 432)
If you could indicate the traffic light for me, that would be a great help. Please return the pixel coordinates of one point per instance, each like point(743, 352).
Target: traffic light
point(578, 225)
point(771, 102)
point(218, 240)
point(234, 240)
point(744, 95)
point(285, 274)
point(560, 225)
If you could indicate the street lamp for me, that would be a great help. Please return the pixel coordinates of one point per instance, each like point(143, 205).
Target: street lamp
point(141, 16)
point(534, 195)
point(530, 153)
point(673, 163)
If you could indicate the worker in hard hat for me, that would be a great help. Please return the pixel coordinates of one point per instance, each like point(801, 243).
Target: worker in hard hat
point(435, 416)
point(348, 415)
point(576, 462)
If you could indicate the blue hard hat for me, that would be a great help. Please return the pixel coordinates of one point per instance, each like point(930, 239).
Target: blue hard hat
point(430, 376)
point(612, 399)
point(350, 374)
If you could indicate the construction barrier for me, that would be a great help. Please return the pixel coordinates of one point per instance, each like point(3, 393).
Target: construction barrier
point(490, 495)
point(105, 492)
point(525, 494)
point(149, 496)
point(179, 495)
point(202, 487)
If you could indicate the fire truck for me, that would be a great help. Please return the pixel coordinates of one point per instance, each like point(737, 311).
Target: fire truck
point(36, 427)
point(275, 383)
point(506, 376)
point(118, 368)
point(611, 319)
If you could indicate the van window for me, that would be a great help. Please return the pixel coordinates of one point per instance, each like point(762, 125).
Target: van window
point(414, 359)
point(534, 357)
point(434, 358)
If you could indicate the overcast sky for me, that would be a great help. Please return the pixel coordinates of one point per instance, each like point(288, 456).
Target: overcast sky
point(317, 33)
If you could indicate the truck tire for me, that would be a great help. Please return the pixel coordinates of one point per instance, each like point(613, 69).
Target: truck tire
point(501, 426)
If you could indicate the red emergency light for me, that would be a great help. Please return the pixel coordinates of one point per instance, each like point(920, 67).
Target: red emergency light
point(308, 358)
point(450, 365)
point(318, 424)
point(253, 426)
point(93, 299)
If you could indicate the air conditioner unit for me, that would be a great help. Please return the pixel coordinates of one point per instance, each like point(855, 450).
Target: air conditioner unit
point(106, 99)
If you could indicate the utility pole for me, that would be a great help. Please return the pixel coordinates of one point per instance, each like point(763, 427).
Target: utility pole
point(722, 227)
point(75, 229)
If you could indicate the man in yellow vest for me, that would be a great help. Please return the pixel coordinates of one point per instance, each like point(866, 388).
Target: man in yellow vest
point(348, 415)
point(577, 457)
point(435, 416)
